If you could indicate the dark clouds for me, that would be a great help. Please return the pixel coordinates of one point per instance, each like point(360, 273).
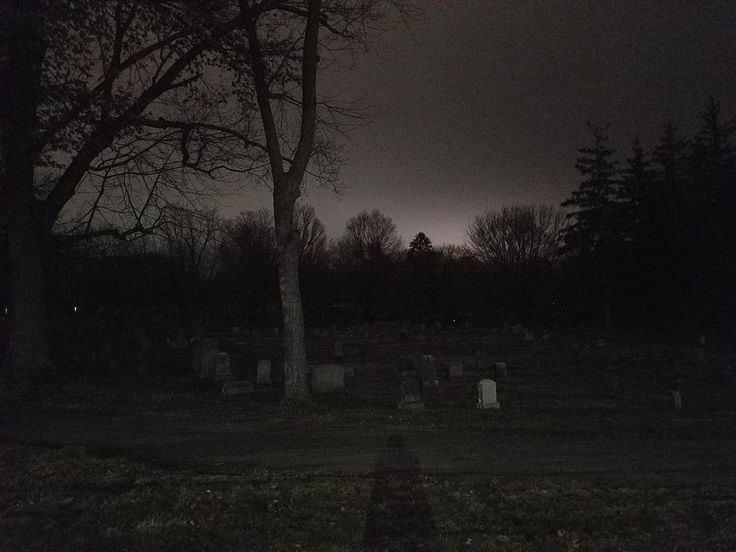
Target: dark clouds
point(483, 104)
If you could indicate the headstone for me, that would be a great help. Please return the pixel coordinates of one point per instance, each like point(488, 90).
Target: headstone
point(499, 369)
point(222, 368)
point(487, 394)
point(338, 352)
point(429, 376)
point(454, 369)
point(208, 358)
point(677, 397)
point(235, 331)
point(411, 395)
point(328, 378)
point(243, 387)
point(263, 372)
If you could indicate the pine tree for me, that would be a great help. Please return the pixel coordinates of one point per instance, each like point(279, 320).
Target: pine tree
point(635, 193)
point(594, 235)
point(592, 224)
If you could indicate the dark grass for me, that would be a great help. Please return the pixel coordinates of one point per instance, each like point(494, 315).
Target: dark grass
point(63, 498)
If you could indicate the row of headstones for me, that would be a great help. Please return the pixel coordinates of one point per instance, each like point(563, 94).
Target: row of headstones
point(210, 363)
point(415, 380)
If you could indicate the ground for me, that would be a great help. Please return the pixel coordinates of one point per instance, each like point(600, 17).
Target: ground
point(587, 452)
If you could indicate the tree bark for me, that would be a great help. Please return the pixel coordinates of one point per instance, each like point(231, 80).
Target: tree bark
point(27, 356)
point(296, 389)
point(286, 190)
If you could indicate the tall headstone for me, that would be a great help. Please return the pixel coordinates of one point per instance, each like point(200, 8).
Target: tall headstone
point(222, 368)
point(428, 372)
point(208, 358)
point(263, 372)
point(328, 378)
point(677, 397)
point(487, 394)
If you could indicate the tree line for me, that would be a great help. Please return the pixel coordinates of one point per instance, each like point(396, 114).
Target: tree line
point(202, 261)
point(652, 238)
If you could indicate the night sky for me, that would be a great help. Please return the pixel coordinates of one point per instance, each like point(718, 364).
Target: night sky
point(484, 104)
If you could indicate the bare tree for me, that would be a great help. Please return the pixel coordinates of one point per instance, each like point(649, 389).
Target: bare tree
point(193, 240)
point(112, 109)
point(517, 238)
point(369, 239)
point(367, 250)
point(313, 239)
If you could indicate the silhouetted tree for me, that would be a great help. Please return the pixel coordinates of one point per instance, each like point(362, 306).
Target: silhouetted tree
point(419, 245)
point(366, 251)
point(248, 262)
point(193, 241)
point(518, 244)
point(593, 235)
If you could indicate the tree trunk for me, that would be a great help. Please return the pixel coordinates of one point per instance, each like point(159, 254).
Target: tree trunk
point(27, 356)
point(296, 389)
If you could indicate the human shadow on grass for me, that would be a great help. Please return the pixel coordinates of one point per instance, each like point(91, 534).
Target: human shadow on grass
point(399, 517)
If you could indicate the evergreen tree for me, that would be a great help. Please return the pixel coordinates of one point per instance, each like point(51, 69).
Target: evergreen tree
point(591, 220)
point(635, 192)
point(593, 235)
point(419, 246)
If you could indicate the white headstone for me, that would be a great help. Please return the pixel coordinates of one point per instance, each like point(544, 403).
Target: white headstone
point(487, 394)
point(222, 368)
point(328, 378)
point(263, 372)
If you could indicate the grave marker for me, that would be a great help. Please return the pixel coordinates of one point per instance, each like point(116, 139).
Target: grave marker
point(263, 372)
point(487, 394)
point(429, 376)
point(222, 368)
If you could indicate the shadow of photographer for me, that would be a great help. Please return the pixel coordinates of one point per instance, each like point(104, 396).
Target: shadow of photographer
point(399, 517)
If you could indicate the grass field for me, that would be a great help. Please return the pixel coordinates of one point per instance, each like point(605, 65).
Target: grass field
point(586, 453)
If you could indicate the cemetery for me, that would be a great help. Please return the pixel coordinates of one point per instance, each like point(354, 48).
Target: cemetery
point(430, 439)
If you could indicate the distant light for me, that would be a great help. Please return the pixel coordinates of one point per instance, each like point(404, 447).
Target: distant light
point(75, 309)
point(6, 310)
